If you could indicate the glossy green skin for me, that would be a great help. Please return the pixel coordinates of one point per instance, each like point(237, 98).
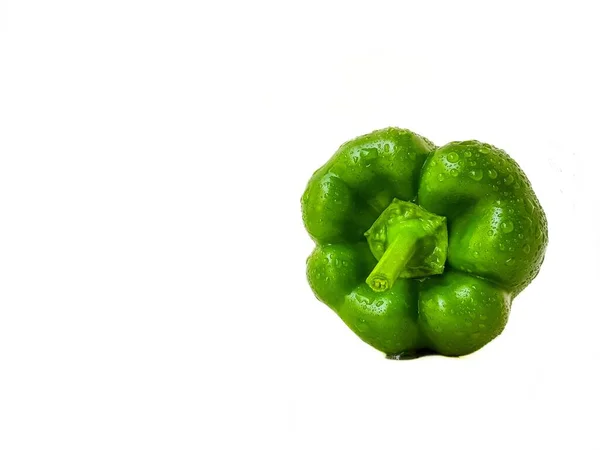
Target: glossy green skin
point(497, 236)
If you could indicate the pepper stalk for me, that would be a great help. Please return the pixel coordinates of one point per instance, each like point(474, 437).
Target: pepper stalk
point(409, 242)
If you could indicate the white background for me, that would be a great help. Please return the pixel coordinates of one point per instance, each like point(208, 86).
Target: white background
point(152, 159)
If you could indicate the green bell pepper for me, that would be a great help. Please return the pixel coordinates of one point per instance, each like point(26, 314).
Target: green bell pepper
point(421, 249)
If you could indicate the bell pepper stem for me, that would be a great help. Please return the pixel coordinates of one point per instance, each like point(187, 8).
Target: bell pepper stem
point(393, 261)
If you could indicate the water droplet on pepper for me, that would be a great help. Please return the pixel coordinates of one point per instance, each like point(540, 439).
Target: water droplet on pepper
point(476, 174)
point(507, 226)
